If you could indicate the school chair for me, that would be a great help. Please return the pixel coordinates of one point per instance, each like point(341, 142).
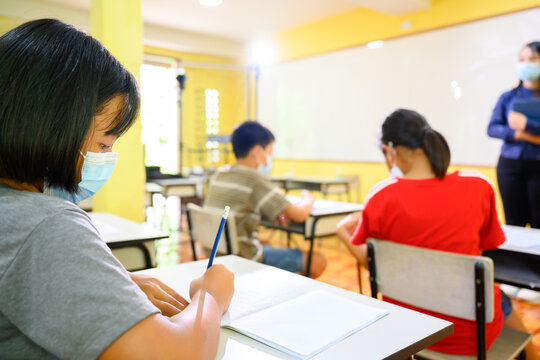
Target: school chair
point(447, 283)
point(203, 224)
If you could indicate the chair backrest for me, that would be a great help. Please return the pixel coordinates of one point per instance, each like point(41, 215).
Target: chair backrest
point(434, 280)
point(203, 226)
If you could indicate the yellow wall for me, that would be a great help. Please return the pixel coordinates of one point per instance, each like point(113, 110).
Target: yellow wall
point(119, 26)
point(232, 96)
point(7, 23)
point(359, 27)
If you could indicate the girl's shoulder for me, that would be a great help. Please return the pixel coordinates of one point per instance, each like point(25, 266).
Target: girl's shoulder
point(380, 188)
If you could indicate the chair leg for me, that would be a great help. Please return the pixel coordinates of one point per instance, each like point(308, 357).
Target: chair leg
point(289, 239)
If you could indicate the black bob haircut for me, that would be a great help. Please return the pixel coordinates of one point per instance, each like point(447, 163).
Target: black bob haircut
point(249, 134)
point(410, 129)
point(53, 80)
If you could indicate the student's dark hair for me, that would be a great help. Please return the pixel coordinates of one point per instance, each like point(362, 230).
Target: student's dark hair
point(249, 134)
point(410, 129)
point(53, 80)
point(535, 47)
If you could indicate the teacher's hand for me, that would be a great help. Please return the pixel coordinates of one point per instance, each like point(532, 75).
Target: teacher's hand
point(163, 297)
point(517, 121)
point(525, 136)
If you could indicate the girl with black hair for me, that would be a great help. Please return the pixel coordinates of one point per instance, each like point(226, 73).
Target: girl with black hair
point(518, 169)
point(64, 101)
point(422, 205)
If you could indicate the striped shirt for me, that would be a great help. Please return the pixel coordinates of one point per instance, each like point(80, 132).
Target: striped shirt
point(250, 195)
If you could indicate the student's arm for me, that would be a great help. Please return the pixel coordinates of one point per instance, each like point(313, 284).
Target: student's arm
point(300, 211)
point(191, 334)
point(345, 230)
point(491, 233)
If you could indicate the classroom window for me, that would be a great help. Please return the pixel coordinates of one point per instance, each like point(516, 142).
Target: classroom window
point(159, 116)
point(211, 101)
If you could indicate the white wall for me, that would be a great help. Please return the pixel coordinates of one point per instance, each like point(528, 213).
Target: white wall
point(330, 107)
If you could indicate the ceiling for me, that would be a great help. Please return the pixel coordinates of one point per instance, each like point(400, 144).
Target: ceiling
point(251, 20)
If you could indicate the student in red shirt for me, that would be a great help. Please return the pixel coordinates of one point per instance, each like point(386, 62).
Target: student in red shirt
point(424, 206)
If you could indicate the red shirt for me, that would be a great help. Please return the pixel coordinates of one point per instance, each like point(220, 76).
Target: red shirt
point(456, 214)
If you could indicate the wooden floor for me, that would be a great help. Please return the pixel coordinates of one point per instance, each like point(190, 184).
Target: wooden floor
point(342, 271)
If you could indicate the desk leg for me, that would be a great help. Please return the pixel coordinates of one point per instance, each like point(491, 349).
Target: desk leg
point(312, 242)
point(146, 254)
point(310, 255)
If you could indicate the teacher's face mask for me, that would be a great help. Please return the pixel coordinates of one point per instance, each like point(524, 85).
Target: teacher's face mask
point(96, 170)
point(528, 71)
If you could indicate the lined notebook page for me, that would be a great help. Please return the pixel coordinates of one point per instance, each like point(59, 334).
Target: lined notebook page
point(262, 289)
point(282, 311)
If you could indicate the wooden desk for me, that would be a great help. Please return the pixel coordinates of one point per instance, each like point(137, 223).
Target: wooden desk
point(398, 335)
point(517, 261)
point(323, 185)
point(127, 239)
point(323, 220)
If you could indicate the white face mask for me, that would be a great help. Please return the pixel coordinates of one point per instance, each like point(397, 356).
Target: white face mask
point(266, 169)
point(97, 169)
point(395, 171)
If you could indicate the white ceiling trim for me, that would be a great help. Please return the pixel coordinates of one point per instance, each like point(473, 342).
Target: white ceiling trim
point(395, 7)
point(154, 35)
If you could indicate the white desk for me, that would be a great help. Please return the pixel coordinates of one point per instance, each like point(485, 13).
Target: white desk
point(517, 261)
point(323, 221)
point(324, 185)
point(398, 335)
point(181, 187)
point(128, 239)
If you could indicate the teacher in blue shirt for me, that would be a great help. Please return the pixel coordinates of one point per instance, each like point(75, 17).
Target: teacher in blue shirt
point(518, 169)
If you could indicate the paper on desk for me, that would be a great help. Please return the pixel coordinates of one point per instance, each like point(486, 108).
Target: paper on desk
point(286, 312)
point(318, 204)
point(262, 289)
point(104, 228)
point(308, 324)
point(526, 238)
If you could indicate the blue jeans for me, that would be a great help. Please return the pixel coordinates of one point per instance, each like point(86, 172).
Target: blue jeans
point(284, 258)
point(506, 305)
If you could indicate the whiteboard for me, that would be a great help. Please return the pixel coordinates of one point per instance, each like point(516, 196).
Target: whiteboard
point(331, 106)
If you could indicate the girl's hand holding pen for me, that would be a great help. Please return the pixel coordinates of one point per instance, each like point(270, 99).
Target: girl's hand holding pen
point(217, 281)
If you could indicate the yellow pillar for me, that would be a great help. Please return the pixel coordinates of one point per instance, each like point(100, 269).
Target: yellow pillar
point(118, 25)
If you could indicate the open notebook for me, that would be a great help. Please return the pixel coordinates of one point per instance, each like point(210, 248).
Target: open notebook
point(270, 307)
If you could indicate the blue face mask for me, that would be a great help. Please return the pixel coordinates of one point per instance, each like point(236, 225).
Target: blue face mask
point(528, 71)
point(97, 169)
point(265, 169)
point(395, 171)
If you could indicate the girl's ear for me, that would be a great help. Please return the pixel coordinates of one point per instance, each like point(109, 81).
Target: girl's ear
point(389, 155)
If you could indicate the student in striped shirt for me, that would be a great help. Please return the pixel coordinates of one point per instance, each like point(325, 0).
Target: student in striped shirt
point(246, 188)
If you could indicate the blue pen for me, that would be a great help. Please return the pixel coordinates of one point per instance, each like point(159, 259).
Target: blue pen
point(218, 236)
